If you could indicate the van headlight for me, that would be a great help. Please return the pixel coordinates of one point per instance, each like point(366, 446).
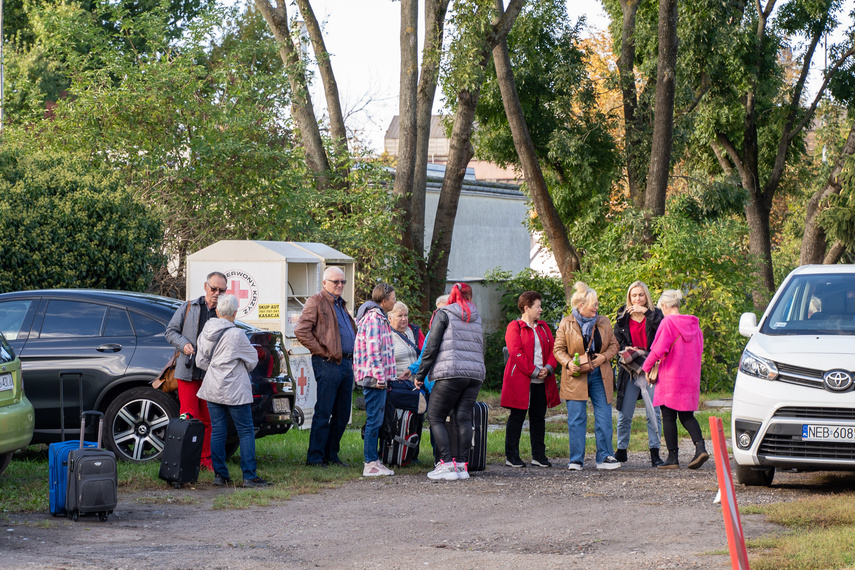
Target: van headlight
point(753, 365)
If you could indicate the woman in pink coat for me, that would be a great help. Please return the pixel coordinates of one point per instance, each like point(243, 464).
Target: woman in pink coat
point(679, 345)
point(529, 382)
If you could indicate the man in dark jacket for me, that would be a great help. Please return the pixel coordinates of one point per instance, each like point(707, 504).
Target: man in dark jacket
point(182, 332)
point(327, 330)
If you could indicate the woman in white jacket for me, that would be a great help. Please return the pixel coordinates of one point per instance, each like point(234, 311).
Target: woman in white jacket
point(226, 354)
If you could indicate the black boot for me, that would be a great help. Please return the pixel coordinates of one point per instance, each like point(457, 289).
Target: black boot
point(671, 462)
point(620, 455)
point(700, 457)
point(655, 460)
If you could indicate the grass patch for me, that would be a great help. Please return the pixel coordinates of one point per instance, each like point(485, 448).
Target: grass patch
point(823, 535)
point(168, 500)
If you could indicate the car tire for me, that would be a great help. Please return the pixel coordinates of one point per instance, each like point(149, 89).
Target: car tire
point(135, 424)
point(755, 477)
point(5, 459)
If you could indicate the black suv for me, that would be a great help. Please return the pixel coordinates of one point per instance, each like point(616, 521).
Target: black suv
point(116, 341)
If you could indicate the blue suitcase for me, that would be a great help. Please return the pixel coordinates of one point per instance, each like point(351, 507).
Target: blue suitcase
point(58, 454)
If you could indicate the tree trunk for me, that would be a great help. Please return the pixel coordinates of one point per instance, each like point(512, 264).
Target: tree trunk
point(460, 153)
point(565, 254)
point(759, 244)
point(301, 101)
point(663, 125)
point(407, 106)
point(814, 240)
point(435, 11)
point(833, 256)
point(337, 128)
point(632, 135)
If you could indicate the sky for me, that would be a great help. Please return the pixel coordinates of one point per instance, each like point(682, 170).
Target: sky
point(362, 37)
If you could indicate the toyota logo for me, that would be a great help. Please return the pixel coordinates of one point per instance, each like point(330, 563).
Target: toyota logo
point(838, 380)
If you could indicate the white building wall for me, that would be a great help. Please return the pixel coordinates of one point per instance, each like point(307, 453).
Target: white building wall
point(488, 233)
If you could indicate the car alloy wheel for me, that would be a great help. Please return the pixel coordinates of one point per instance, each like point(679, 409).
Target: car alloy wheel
point(136, 424)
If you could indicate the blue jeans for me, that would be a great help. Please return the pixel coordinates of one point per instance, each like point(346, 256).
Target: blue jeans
point(577, 418)
point(624, 422)
point(332, 409)
point(375, 408)
point(242, 418)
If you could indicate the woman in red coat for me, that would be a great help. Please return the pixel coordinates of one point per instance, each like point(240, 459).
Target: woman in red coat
point(529, 381)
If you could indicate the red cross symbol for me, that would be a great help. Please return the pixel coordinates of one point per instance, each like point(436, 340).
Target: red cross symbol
point(234, 289)
point(302, 381)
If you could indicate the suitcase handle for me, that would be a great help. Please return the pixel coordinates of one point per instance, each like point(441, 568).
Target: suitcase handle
point(83, 425)
point(62, 375)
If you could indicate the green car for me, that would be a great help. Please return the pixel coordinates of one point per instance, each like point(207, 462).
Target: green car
point(16, 411)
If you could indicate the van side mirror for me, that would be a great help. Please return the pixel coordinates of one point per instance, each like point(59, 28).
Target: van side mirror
point(748, 324)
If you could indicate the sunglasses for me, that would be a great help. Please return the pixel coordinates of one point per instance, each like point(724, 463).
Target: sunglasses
point(338, 281)
point(216, 289)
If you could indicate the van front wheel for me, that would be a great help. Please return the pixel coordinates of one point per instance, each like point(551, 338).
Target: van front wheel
point(755, 477)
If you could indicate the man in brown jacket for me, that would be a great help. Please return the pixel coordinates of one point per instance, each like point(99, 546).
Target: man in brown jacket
point(328, 331)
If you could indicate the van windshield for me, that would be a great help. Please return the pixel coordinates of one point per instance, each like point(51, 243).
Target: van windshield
point(814, 304)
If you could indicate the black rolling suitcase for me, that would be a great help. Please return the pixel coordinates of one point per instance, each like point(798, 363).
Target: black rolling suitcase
point(478, 450)
point(182, 451)
point(93, 478)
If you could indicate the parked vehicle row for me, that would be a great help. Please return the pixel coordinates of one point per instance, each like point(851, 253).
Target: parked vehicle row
point(116, 341)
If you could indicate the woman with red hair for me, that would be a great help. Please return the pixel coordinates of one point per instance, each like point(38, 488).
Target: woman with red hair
point(453, 355)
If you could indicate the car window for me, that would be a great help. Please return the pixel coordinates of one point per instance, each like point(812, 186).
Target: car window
point(72, 318)
point(146, 326)
point(814, 304)
point(12, 314)
point(117, 323)
point(6, 352)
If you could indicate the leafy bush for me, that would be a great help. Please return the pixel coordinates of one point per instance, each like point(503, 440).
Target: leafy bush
point(64, 225)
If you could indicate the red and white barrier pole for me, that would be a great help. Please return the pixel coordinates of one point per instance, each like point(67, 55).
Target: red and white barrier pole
point(732, 522)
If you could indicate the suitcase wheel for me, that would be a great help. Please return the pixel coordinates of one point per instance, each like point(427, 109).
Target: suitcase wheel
point(74, 516)
point(104, 516)
point(177, 485)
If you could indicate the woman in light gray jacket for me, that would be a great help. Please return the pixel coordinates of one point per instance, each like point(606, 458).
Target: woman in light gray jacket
point(226, 354)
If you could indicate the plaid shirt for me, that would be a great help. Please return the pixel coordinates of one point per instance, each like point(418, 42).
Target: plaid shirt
point(373, 350)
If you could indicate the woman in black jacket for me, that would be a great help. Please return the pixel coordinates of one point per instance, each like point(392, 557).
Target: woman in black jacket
point(636, 325)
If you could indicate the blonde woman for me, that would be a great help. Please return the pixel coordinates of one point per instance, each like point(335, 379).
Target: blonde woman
point(636, 325)
point(585, 332)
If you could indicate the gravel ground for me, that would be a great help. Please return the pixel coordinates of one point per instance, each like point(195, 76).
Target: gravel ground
point(632, 517)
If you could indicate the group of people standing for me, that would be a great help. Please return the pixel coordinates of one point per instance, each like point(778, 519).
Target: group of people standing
point(381, 347)
point(645, 336)
point(660, 355)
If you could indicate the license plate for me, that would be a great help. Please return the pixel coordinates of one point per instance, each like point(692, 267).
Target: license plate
point(6, 382)
point(812, 432)
point(281, 406)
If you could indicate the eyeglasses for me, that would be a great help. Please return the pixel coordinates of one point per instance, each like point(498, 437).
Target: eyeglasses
point(338, 281)
point(216, 289)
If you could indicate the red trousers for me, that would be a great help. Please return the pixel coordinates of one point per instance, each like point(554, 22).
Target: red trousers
point(190, 403)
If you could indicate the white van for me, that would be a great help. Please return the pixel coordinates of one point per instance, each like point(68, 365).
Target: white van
point(794, 398)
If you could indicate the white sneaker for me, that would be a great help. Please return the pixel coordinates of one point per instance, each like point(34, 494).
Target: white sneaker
point(462, 470)
point(443, 470)
point(608, 463)
point(574, 466)
point(376, 469)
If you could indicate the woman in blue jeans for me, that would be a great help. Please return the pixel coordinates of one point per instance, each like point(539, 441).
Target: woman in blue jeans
point(587, 335)
point(226, 354)
point(453, 355)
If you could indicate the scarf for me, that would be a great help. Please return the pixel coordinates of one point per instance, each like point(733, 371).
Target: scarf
point(587, 325)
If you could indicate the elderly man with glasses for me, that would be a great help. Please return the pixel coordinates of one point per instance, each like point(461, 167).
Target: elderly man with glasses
point(328, 331)
point(182, 332)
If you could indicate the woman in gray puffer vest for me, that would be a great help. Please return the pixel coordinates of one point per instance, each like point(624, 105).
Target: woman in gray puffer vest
point(454, 357)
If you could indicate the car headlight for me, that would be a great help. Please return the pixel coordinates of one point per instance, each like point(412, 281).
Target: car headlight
point(753, 365)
